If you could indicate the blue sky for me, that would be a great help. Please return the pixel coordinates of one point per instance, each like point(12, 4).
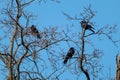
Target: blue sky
point(107, 12)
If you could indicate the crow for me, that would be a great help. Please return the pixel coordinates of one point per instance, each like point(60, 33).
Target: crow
point(35, 31)
point(69, 55)
point(85, 25)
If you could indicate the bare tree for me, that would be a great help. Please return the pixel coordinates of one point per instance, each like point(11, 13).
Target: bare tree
point(89, 61)
point(38, 54)
point(22, 55)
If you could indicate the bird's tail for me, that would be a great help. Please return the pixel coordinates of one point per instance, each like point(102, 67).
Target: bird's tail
point(38, 36)
point(65, 60)
point(92, 30)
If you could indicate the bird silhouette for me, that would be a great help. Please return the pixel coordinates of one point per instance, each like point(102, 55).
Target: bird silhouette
point(85, 25)
point(35, 31)
point(69, 55)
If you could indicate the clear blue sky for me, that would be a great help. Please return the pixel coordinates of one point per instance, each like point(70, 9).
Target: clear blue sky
point(107, 12)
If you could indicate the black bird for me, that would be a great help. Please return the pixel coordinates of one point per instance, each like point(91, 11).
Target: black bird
point(85, 25)
point(35, 31)
point(69, 55)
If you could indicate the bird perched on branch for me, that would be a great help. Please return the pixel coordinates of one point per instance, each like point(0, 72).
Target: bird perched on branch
point(69, 55)
point(35, 31)
point(85, 25)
